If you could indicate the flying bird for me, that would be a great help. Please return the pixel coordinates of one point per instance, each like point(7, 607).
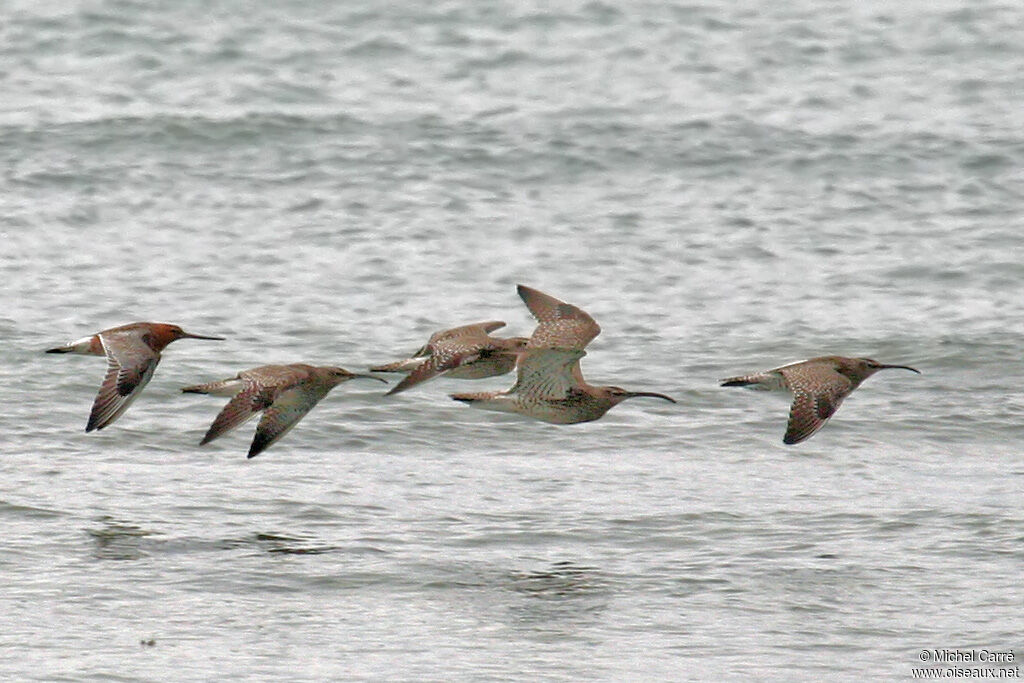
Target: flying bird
point(466, 352)
point(133, 352)
point(549, 383)
point(818, 385)
point(283, 393)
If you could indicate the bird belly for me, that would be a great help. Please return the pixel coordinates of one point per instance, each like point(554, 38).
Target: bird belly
point(480, 369)
point(571, 410)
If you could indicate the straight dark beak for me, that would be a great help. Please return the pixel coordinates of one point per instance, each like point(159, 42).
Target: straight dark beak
point(189, 335)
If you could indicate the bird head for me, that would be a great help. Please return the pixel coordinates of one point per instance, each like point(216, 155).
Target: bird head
point(162, 334)
point(859, 369)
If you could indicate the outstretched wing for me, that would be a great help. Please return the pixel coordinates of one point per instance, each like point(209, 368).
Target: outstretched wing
point(443, 359)
point(130, 366)
point(243, 406)
point(288, 408)
point(560, 325)
point(466, 335)
point(476, 331)
point(547, 374)
point(816, 397)
point(449, 350)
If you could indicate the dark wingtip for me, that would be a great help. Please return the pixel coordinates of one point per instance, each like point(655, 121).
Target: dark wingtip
point(57, 350)
point(258, 445)
point(734, 383)
point(461, 397)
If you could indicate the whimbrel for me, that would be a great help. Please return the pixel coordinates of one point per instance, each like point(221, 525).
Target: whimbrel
point(133, 352)
point(466, 352)
point(285, 392)
point(549, 384)
point(818, 385)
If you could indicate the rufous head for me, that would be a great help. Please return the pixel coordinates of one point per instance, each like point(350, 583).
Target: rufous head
point(162, 334)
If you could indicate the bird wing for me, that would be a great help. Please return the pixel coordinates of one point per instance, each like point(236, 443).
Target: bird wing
point(130, 366)
point(471, 331)
point(244, 405)
point(288, 408)
point(260, 387)
point(817, 395)
point(560, 325)
point(547, 374)
point(475, 332)
point(446, 355)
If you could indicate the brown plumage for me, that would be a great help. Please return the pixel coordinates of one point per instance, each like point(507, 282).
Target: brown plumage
point(549, 383)
point(466, 352)
point(133, 352)
point(818, 385)
point(285, 392)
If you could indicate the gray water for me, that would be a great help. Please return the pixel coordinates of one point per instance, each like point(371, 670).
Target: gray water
point(724, 186)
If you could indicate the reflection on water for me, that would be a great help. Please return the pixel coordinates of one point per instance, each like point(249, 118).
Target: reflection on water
point(118, 540)
point(563, 579)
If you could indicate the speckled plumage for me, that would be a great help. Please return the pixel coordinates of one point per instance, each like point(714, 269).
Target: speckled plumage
point(466, 352)
point(284, 393)
point(549, 383)
point(819, 386)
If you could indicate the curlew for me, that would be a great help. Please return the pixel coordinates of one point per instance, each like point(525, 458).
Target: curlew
point(549, 384)
point(285, 392)
point(818, 385)
point(466, 352)
point(133, 352)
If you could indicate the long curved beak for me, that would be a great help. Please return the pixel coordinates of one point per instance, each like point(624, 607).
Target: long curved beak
point(649, 394)
point(379, 379)
point(899, 367)
point(189, 335)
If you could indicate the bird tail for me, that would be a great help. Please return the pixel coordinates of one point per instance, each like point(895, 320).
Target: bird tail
point(489, 400)
point(61, 349)
point(227, 387)
point(471, 397)
point(86, 345)
point(407, 365)
point(758, 380)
